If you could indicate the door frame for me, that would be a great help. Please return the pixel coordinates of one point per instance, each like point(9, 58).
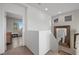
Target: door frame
point(68, 32)
point(5, 13)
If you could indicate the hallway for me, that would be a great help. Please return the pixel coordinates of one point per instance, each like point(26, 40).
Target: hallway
point(19, 51)
point(41, 29)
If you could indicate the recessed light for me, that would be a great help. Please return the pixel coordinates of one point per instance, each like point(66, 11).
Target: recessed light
point(59, 12)
point(46, 9)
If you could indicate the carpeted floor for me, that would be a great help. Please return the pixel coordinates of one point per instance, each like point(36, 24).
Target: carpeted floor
point(18, 51)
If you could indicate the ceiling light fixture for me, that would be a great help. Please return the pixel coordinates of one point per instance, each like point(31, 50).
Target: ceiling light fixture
point(46, 9)
point(59, 12)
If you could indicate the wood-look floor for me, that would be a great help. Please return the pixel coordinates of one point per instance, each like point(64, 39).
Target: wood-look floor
point(57, 53)
point(26, 51)
point(18, 51)
point(22, 50)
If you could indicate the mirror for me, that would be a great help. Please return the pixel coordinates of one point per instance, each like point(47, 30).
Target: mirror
point(62, 34)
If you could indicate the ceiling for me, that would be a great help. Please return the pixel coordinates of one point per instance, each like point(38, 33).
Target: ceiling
point(56, 8)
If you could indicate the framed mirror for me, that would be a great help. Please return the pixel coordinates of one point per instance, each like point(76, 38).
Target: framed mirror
point(62, 33)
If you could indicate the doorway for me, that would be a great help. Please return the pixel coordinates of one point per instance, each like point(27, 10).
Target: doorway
point(14, 31)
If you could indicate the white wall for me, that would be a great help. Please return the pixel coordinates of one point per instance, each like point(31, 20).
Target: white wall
point(37, 20)
point(32, 41)
point(44, 42)
point(9, 25)
point(2, 47)
point(77, 45)
point(15, 9)
point(53, 43)
point(38, 41)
